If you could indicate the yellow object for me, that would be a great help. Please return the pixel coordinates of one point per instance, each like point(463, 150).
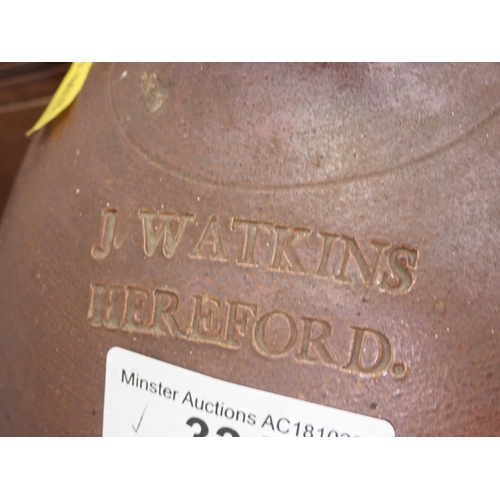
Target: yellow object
point(70, 87)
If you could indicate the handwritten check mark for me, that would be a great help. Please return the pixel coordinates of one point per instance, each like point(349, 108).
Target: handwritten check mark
point(139, 424)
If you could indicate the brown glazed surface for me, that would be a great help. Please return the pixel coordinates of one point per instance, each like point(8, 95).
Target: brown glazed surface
point(328, 232)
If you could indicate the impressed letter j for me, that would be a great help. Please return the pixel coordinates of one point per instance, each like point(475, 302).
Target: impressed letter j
point(108, 230)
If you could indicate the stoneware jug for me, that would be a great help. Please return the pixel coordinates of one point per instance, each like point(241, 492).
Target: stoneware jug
point(317, 237)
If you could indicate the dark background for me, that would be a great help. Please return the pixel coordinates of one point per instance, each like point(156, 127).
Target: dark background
point(25, 91)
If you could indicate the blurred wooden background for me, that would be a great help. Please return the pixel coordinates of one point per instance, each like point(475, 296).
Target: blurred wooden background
point(25, 91)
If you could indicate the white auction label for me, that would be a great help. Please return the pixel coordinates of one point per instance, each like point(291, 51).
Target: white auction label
point(147, 397)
